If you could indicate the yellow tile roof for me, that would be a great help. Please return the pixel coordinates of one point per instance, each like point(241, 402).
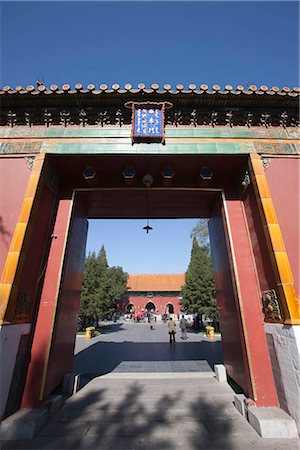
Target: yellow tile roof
point(154, 283)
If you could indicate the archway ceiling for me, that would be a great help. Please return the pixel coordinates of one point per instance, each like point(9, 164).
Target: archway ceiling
point(108, 195)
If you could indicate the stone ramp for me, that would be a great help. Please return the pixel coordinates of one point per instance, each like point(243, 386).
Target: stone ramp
point(169, 413)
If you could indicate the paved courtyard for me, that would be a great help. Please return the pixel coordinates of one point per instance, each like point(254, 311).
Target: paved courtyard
point(134, 347)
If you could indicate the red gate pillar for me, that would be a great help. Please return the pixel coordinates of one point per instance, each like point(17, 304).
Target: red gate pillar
point(262, 387)
point(46, 315)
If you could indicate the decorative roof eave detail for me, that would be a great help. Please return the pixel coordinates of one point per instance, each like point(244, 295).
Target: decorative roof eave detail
point(216, 96)
point(194, 106)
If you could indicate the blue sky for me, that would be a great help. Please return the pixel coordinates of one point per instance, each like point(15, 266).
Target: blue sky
point(166, 249)
point(150, 42)
point(163, 42)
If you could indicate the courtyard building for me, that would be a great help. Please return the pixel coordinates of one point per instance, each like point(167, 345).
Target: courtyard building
point(159, 294)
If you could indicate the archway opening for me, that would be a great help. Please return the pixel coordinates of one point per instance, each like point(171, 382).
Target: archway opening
point(150, 307)
point(129, 309)
point(170, 308)
point(190, 198)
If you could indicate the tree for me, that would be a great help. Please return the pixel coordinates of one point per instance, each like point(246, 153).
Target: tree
point(102, 260)
point(89, 289)
point(102, 287)
point(198, 293)
point(112, 287)
point(201, 233)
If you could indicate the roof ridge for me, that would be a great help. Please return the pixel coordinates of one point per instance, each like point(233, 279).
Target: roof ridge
point(141, 87)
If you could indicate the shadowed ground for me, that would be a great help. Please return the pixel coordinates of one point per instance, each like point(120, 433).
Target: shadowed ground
point(155, 396)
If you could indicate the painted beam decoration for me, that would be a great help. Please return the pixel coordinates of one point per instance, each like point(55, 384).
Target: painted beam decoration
point(148, 122)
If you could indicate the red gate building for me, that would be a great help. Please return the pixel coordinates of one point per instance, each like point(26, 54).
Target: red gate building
point(228, 154)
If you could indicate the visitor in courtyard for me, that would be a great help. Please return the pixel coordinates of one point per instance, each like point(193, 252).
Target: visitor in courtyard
point(172, 329)
point(182, 326)
point(152, 320)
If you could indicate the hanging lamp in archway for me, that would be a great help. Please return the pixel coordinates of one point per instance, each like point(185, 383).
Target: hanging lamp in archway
point(147, 227)
point(148, 181)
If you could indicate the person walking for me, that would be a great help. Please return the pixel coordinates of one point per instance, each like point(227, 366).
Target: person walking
point(152, 320)
point(183, 326)
point(172, 329)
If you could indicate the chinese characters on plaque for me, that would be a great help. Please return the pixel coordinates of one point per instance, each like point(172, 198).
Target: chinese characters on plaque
point(148, 123)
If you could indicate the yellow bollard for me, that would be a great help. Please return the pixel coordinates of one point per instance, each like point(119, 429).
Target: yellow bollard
point(210, 332)
point(89, 332)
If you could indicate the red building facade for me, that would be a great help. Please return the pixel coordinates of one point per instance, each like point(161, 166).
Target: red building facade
point(158, 293)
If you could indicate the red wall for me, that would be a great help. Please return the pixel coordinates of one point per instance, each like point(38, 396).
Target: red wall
point(160, 303)
point(286, 199)
point(14, 175)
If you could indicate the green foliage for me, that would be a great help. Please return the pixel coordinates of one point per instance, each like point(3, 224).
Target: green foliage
point(198, 293)
point(102, 287)
point(201, 233)
point(102, 260)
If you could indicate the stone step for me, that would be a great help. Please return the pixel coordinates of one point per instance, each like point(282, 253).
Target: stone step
point(153, 411)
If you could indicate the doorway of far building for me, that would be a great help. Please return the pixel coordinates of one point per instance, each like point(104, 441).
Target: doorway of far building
point(170, 308)
point(150, 307)
point(130, 308)
point(150, 310)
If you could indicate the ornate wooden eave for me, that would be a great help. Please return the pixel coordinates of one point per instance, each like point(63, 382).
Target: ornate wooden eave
point(194, 106)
